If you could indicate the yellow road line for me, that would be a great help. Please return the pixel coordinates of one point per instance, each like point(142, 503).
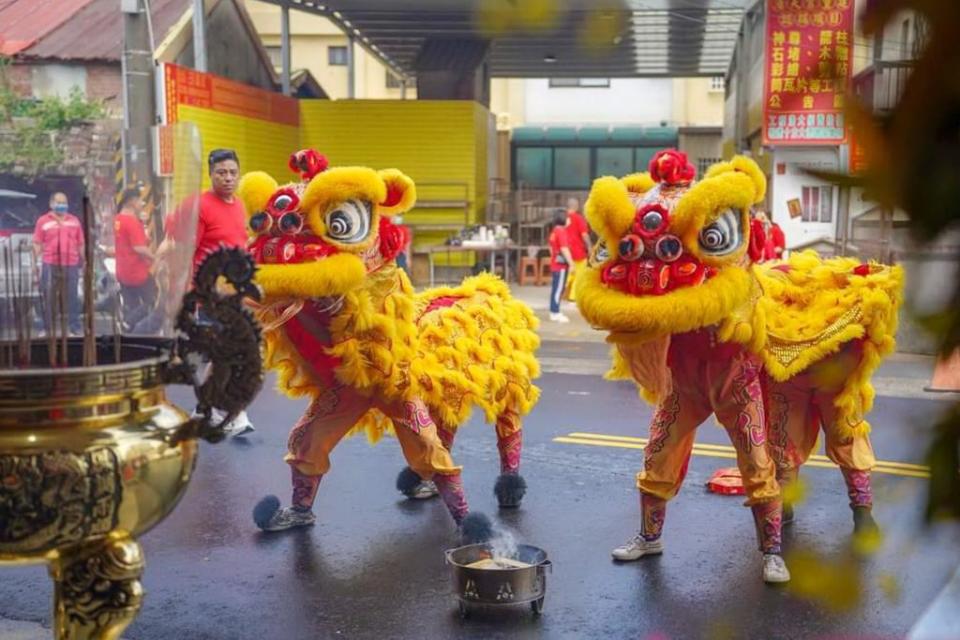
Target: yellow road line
point(720, 447)
point(718, 451)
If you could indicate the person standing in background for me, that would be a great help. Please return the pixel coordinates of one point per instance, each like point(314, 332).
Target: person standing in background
point(560, 261)
point(221, 223)
point(58, 245)
point(777, 243)
point(134, 259)
point(578, 235)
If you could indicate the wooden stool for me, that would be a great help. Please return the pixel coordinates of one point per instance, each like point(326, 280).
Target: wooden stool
point(544, 275)
point(528, 271)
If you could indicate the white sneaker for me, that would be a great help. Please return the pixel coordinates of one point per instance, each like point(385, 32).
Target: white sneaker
point(239, 426)
point(775, 569)
point(636, 548)
point(424, 491)
point(559, 317)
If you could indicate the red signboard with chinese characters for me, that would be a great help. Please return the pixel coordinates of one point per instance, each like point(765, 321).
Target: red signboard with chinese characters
point(809, 55)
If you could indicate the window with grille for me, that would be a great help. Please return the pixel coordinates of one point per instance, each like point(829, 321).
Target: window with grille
point(817, 204)
point(393, 82)
point(337, 56)
point(717, 83)
point(705, 163)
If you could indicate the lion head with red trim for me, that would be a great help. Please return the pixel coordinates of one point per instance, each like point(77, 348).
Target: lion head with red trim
point(673, 254)
point(321, 237)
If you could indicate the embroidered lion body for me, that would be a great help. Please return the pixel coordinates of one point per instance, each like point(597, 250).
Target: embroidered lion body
point(339, 314)
point(674, 257)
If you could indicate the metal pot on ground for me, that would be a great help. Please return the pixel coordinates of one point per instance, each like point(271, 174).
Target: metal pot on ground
point(502, 586)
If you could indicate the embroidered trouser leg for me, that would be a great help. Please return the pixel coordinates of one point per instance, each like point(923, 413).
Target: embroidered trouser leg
point(797, 414)
point(854, 455)
point(328, 418)
point(509, 441)
point(426, 453)
point(667, 454)
point(737, 398)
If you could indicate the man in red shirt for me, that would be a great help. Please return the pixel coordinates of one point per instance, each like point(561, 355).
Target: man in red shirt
point(560, 261)
point(58, 246)
point(134, 259)
point(221, 222)
point(578, 234)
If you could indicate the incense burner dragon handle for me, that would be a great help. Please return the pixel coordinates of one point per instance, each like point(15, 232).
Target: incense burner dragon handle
point(217, 328)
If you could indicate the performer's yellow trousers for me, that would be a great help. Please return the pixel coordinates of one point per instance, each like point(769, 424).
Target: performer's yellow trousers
point(724, 380)
point(800, 407)
point(330, 416)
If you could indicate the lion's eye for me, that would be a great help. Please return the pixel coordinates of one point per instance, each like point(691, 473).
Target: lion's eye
point(723, 236)
point(260, 222)
point(350, 222)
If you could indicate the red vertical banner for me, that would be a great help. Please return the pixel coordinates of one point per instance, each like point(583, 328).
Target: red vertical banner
point(807, 71)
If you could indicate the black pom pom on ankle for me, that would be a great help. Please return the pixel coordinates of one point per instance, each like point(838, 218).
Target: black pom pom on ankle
point(510, 489)
point(476, 528)
point(263, 512)
point(407, 481)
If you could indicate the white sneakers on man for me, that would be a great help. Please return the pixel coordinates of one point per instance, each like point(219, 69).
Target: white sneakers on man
point(559, 317)
point(239, 426)
point(636, 548)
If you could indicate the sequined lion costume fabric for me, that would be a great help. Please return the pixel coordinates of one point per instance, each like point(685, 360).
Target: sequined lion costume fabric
point(344, 327)
point(777, 351)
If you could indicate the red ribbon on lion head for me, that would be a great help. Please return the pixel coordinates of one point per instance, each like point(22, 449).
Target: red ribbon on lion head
point(671, 167)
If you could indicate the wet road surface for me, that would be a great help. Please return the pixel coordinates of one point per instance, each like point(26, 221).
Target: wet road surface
point(373, 566)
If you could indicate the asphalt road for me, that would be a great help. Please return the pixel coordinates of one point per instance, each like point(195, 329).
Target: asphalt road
point(373, 566)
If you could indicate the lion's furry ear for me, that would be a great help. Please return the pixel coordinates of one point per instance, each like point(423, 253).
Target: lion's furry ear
point(747, 167)
point(255, 189)
point(609, 209)
point(401, 192)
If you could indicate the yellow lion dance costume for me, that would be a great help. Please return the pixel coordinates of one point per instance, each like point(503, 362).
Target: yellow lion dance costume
point(776, 351)
point(344, 327)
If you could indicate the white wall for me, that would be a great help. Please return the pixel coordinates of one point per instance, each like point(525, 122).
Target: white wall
point(627, 101)
point(788, 186)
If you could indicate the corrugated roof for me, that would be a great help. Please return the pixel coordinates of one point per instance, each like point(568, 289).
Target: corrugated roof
point(92, 30)
point(24, 22)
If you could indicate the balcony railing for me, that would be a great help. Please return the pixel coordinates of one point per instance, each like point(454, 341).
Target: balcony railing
point(880, 86)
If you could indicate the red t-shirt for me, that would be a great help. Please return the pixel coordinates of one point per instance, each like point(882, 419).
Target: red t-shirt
point(60, 239)
point(558, 240)
point(575, 230)
point(133, 269)
point(218, 223)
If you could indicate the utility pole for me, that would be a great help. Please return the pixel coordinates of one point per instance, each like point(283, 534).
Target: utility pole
point(199, 36)
point(139, 99)
point(285, 49)
point(351, 69)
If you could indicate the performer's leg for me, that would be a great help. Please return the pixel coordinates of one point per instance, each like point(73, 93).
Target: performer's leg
point(327, 419)
point(510, 487)
point(426, 454)
point(793, 427)
point(409, 482)
point(855, 458)
point(738, 403)
point(665, 461)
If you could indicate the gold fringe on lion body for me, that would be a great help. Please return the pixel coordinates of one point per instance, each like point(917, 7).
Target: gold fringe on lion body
point(477, 352)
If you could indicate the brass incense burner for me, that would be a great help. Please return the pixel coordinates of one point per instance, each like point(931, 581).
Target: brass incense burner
point(93, 457)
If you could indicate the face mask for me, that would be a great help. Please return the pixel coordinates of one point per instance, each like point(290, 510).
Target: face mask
point(60, 208)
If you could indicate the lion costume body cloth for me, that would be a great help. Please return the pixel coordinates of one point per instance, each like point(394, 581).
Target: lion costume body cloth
point(344, 327)
point(777, 351)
